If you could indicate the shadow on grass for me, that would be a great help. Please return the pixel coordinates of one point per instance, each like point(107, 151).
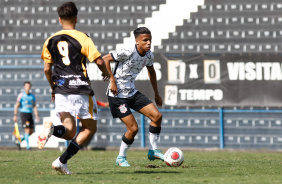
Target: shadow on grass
point(122, 172)
point(154, 172)
point(89, 173)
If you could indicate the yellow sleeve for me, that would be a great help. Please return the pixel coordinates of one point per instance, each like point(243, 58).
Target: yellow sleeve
point(45, 55)
point(89, 50)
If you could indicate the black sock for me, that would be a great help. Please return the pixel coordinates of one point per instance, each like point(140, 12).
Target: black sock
point(155, 130)
point(71, 151)
point(127, 141)
point(59, 131)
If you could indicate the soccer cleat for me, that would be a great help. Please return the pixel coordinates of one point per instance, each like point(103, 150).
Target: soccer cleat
point(155, 154)
point(45, 135)
point(59, 166)
point(121, 161)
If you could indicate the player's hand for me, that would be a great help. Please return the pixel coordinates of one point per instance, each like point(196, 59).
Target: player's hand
point(37, 119)
point(113, 87)
point(107, 104)
point(15, 118)
point(158, 100)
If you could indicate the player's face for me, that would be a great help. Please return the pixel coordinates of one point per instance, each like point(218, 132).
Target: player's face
point(143, 43)
point(27, 87)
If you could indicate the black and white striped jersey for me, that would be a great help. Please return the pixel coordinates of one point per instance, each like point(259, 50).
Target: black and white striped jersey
point(129, 64)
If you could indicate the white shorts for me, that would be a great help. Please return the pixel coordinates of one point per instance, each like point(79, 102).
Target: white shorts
point(83, 106)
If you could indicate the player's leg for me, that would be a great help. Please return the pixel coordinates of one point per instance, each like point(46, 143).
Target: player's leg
point(120, 109)
point(66, 112)
point(89, 128)
point(66, 131)
point(28, 125)
point(88, 119)
point(154, 130)
point(28, 132)
point(155, 116)
point(83, 137)
point(127, 139)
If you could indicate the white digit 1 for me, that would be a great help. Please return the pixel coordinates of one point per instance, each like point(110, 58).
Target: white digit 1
point(64, 51)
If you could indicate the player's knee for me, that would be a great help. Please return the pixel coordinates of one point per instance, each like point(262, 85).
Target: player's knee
point(93, 130)
point(157, 118)
point(70, 134)
point(134, 130)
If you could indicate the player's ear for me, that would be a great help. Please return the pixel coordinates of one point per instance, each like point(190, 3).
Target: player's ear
point(137, 40)
point(60, 20)
point(75, 20)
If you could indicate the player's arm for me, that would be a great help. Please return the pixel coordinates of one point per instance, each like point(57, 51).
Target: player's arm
point(102, 66)
point(153, 80)
point(103, 104)
point(48, 74)
point(113, 86)
point(15, 118)
point(35, 111)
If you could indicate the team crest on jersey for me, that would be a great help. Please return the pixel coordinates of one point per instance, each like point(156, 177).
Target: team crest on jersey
point(122, 108)
point(61, 82)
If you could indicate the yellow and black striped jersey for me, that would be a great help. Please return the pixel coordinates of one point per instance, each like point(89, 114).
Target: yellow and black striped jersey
point(67, 51)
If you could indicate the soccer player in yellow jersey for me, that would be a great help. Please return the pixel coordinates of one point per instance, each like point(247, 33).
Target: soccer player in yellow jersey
point(67, 51)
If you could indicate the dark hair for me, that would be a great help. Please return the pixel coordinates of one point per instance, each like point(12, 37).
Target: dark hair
point(27, 82)
point(141, 30)
point(67, 11)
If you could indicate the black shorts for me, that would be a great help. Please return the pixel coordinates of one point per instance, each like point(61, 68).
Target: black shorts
point(27, 120)
point(120, 107)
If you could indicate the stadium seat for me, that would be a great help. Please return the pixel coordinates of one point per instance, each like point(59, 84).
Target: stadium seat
point(263, 139)
point(245, 123)
point(252, 48)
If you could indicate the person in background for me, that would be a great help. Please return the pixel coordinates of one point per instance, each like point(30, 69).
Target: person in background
point(26, 104)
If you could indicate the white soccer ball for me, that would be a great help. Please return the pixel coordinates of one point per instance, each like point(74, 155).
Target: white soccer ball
point(173, 157)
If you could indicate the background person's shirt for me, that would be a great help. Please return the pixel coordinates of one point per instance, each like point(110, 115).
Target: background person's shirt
point(26, 102)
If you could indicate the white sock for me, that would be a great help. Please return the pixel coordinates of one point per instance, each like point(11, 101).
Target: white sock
point(123, 149)
point(153, 139)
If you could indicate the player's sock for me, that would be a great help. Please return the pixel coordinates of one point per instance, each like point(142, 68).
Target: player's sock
point(26, 138)
point(59, 131)
point(72, 149)
point(154, 137)
point(125, 145)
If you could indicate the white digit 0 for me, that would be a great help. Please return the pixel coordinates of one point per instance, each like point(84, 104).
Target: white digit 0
point(64, 51)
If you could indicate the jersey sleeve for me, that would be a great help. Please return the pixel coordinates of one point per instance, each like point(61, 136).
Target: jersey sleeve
point(150, 62)
point(122, 54)
point(89, 50)
point(19, 97)
point(45, 55)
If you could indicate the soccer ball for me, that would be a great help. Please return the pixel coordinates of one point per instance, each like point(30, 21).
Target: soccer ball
point(173, 157)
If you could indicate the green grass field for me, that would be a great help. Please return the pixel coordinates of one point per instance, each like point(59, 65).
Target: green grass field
point(98, 167)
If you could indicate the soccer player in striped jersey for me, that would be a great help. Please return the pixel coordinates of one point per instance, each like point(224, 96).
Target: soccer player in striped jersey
point(122, 94)
point(67, 51)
